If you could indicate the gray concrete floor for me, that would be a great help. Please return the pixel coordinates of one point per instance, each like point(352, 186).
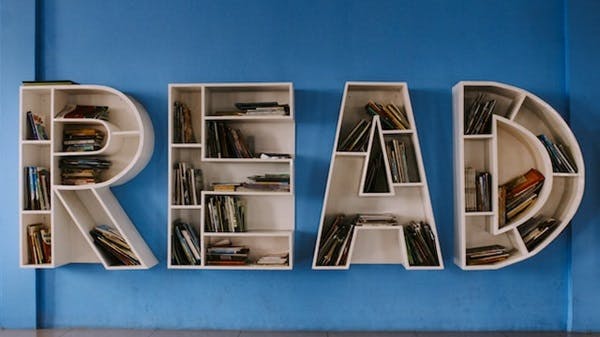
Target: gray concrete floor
point(233, 333)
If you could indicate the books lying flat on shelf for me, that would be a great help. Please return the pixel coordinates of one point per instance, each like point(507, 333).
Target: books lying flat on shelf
point(49, 82)
point(377, 219)
point(478, 119)
point(420, 244)
point(82, 139)
point(357, 139)
point(188, 182)
point(226, 142)
point(39, 243)
point(487, 254)
point(335, 240)
point(270, 182)
point(84, 111)
point(115, 248)
point(392, 116)
point(185, 245)
point(37, 188)
point(536, 230)
point(225, 213)
point(37, 128)
point(281, 259)
point(518, 194)
point(559, 155)
point(273, 155)
point(257, 109)
point(183, 131)
point(225, 253)
point(82, 170)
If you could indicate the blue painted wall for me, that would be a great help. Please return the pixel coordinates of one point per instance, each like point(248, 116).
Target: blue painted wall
point(17, 61)
point(583, 74)
point(140, 47)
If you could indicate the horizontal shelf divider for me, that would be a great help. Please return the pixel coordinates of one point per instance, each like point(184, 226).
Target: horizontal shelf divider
point(198, 207)
point(479, 213)
point(249, 118)
point(482, 136)
point(37, 211)
point(397, 132)
point(36, 142)
point(246, 160)
point(351, 154)
point(408, 184)
point(249, 193)
point(186, 145)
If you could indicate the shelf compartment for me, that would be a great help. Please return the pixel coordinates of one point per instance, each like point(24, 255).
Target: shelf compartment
point(413, 172)
point(260, 243)
point(219, 172)
point(222, 97)
point(478, 234)
point(259, 137)
point(192, 216)
point(507, 99)
point(523, 151)
point(191, 96)
point(263, 212)
point(119, 106)
point(25, 243)
point(39, 102)
point(378, 245)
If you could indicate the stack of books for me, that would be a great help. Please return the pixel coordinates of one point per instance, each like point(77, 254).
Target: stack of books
point(392, 117)
point(335, 240)
point(487, 254)
point(357, 139)
point(257, 109)
point(536, 229)
point(83, 170)
point(518, 194)
point(377, 219)
point(559, 155)
point(420, 244)
point(185, 243)
point(37, 188)
point(225, 213)
point(84, 111)
point(226, 142)
point(188, 182)
point(224, 253)
point(82, 139)
point(281, 259)
point(398, 157)
point(478, 119)
point(37, 128)
point(114, 247)
point(39, 243)
point(270, 182)
point(183, 132)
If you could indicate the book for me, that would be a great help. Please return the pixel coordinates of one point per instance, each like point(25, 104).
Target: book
point(37, 127)
point(478, 117)
point(225, 213)
point(336, 240)
point(113, 246)
point(559, 155)
point(420, 244)
point(356, 140)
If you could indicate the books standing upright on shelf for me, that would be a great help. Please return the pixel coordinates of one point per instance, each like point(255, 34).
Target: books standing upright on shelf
point(336, 240)
point(470, 190)
point(39, 243)
point(559, 155)
point(37, 128)
point(225, 213)
point(37, 188)
point(420, 244)
point(188, 182)
point(226, 142)
point(479, 116)
point(399, 155)
point(185, 245)
point(183, 131)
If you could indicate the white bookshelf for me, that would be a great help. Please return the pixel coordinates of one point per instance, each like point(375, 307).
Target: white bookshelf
point(270, 218)
point(76, 209)
point(345, 191)
point(509, 150)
